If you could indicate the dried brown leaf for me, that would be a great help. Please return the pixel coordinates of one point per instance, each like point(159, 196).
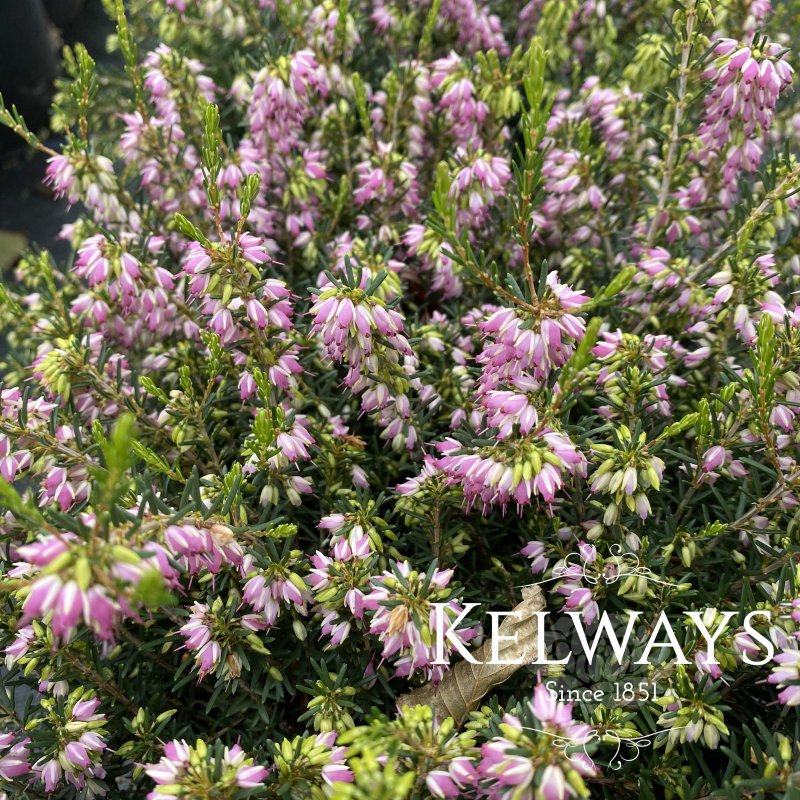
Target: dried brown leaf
point(464, 685)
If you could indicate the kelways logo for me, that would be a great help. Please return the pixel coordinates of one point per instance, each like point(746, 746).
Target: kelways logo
point(662, 637)
point(614, 640)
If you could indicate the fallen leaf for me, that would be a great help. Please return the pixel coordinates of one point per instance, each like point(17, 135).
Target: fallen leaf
point(465, 684)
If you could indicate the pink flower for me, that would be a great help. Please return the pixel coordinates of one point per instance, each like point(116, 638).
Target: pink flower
point(786, 674)
point(745, 88)
point(510, 767)
point(61, 175)
point(198, 635)
point(196, 769)
point(704, 666)
point(535, 552)
point(66, 604)
point(491, 477)
point(714, 458)
point(206, 548)
point(81, 745)
point(13, 756)
point(266, 590)
point(257, 313)
point(399, 607)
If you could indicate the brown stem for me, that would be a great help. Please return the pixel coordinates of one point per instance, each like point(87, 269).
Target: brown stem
point(96, 678)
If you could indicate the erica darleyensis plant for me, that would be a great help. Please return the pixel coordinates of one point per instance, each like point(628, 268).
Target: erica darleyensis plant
point(375, 315)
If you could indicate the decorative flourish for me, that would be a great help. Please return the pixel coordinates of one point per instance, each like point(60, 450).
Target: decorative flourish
point(577, 747)
point(619, 565)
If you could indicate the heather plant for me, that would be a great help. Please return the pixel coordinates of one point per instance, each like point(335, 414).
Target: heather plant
point(381, 316)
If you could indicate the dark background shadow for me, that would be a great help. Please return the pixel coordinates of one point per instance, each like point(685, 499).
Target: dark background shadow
point(32, 33)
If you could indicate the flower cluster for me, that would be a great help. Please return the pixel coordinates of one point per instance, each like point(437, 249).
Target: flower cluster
point(747, 81)
point(409, 610)
point(198, 771)
point(77, 755)
point(626, 474)
point(523, 760)
point(62, 583)
point(534, 343)
point(14, 762)
point(358, 329)
point(495, 476)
